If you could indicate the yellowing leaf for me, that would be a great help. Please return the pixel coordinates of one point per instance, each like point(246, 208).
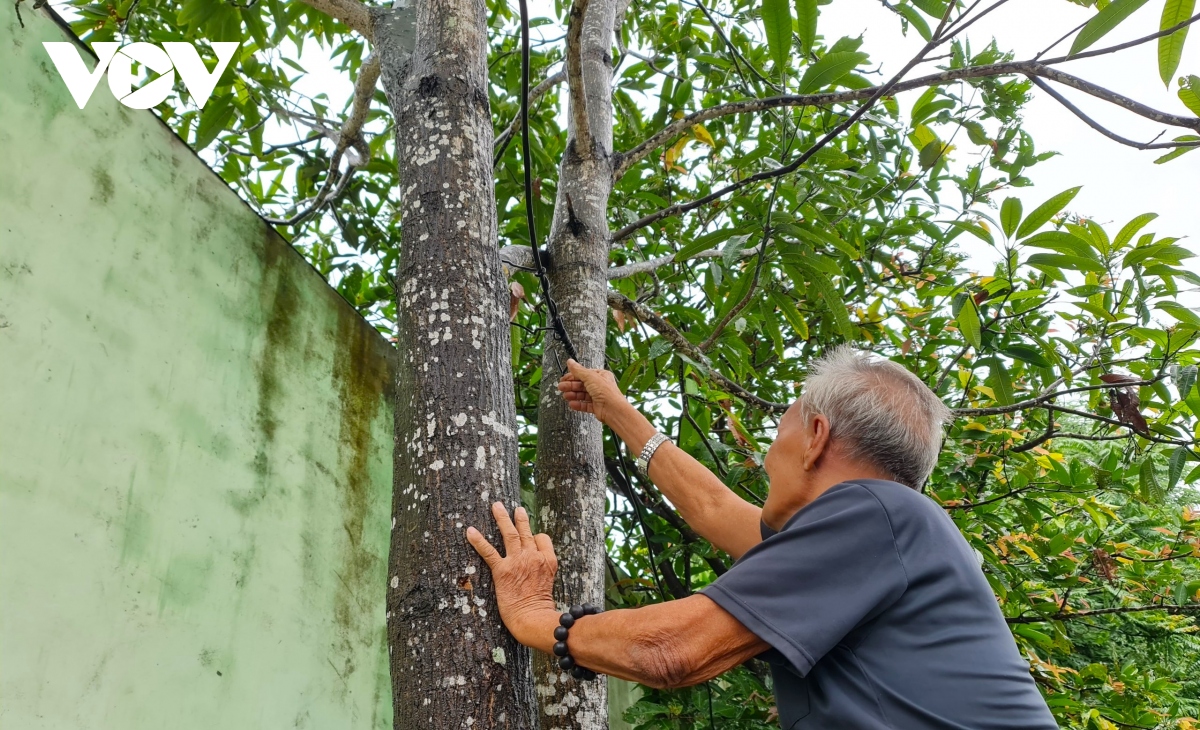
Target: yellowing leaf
point(702, 134)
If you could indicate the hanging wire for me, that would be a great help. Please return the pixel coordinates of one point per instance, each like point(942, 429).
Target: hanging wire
point(556, 323)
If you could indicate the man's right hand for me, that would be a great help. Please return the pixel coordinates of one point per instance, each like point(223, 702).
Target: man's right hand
point(591, 391)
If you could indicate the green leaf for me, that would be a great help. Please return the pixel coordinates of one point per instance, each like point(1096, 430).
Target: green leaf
point(1180, 312)
point(1065, 261)
point(1175, 466)
point(791, 314)
point(1131, 229)
point(827, 294)
point(1189, 93)
point(968, 323)
point(1180, 151)
point(1184, 379)
point(1046, 211)
point(213, 120)
point(1064, 243)
point(1104, 22)
point(1026, 353)
point(829, 69)
point(931, 153)
point(1152, 490)
point(1001, 383)
point(777, 19)
point(807, 13)
point(1170, 48)
point(1010, 215)
point(916, 20)
point(732, 252)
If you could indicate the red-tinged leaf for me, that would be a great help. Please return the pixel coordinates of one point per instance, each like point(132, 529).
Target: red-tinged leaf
point(1118, 378)
point(516, 293)
point(619, 318)
point(1126, 407)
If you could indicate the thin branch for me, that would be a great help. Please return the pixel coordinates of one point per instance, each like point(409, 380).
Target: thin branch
point(579, 115)
point(514, 126)
point(353, 13)
point(1129, 44)
point(1101, 128)
point(1028, 68)
point(350, 136)
point(642, 267)
point(682, 345)
point(1172, 610)
point(1041, 400)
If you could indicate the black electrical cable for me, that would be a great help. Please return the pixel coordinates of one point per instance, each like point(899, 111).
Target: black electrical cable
point(556, 323)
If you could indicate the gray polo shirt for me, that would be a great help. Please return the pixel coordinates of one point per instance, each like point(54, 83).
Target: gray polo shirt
point(880, 617)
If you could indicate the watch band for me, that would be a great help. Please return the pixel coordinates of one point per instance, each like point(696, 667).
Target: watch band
point(643, 460)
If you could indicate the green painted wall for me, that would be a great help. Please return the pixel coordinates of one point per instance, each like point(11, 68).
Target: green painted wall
point(195, 438)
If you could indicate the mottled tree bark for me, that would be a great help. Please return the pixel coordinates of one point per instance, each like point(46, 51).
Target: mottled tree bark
point(570, 460)
point(453, 664)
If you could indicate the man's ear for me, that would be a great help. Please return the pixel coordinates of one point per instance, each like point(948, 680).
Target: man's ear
point(818, 433)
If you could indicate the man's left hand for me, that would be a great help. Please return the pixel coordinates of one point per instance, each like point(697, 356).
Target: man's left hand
point(524, 577)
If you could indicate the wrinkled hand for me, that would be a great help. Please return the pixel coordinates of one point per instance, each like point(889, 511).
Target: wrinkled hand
point(591, 391)
point(524, 577)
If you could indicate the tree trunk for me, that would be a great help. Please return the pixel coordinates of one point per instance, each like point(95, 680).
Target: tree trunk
point(570, 470)
point(453, 664)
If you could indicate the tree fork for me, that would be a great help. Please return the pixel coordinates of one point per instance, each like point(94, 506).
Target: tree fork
point(452, 662)
point(569, 473)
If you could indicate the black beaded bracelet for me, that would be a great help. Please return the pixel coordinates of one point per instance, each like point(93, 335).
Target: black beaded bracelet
point(566, 662)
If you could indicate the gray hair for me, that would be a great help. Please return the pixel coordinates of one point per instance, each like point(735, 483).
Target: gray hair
point(878, 412)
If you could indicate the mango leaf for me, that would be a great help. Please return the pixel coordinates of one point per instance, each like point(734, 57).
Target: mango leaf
point(1064, 243)
point(931, 154)
point(1026, 353)
point(1181, 151)
point(1044, 212)
point(1170, 48)
point(1152, 490)
point(1104, 22)
point(1180, 312)
point(1189, 93)
point(1010, 215)
point(1065, 261)
point(968, 323)
point(807, 13)
point(829, 69)
point(916, 20)
point(1184, 379)
point(777, 19)
point(1175, 466)
point(1131, 229)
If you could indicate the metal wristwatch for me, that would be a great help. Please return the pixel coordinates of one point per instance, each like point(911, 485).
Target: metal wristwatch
point(643, 460)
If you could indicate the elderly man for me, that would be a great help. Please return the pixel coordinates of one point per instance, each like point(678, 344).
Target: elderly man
point(859, 591)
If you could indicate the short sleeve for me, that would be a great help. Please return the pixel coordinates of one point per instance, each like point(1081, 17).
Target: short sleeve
point(834, 566)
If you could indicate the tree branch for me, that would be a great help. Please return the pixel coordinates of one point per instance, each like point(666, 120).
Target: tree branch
point(1027, 68)
point(574, 63)
point(1173, 610)
point(350, 136)
point(642, 267)
point(351, 12)
point(1101, 128)
point(682, 345)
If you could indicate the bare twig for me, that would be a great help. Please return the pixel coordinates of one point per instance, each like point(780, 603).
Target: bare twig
point(1101, 128)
